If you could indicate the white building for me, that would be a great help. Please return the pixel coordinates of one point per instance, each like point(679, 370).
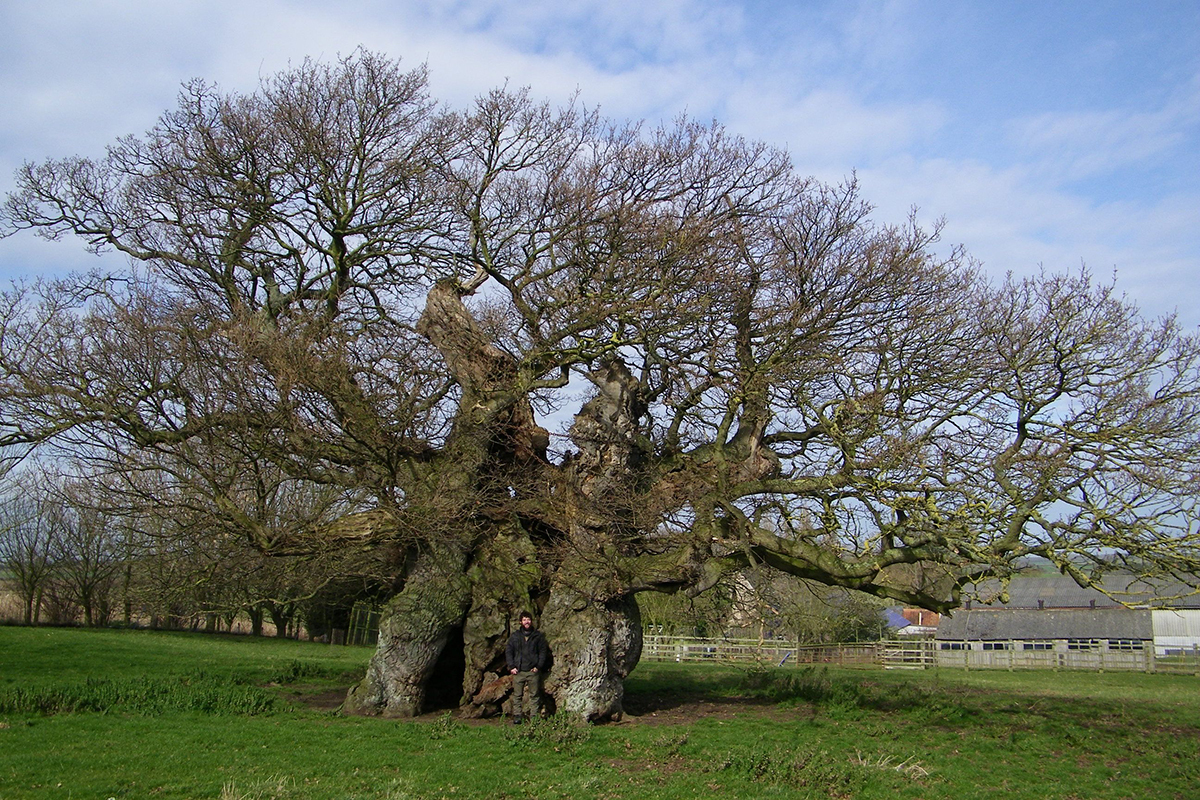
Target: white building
point(1176, 630)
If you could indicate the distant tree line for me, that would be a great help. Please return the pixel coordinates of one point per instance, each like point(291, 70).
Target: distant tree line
point(72, 552)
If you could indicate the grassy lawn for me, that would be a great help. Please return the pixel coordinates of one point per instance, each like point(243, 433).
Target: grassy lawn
point(99, 714)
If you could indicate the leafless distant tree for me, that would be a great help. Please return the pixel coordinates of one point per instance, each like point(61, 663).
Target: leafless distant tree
point(338, 279)
point(86, 549)
point(26, 545)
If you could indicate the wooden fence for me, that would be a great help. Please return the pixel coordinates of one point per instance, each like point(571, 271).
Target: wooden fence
point(911, 654)
point(889, 654)
point(364, 625)
point(1099, 659)
point(768, 652)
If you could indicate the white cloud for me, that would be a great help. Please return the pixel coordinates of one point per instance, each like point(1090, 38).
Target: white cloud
point(1012, 220)
point(1082, 144)
point(833, 127)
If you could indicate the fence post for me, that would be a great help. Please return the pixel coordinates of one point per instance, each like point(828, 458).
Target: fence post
point(352, 629)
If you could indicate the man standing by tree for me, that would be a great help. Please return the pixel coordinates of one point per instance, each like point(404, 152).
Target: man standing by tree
point(526, 655)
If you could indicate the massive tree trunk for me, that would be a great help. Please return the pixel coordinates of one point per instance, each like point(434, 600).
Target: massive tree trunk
point(452, 614)
point(520, 533)
point(414, 628)
point(596, 645)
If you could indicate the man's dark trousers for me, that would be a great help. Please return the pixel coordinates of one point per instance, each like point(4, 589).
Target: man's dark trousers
point(530, 682)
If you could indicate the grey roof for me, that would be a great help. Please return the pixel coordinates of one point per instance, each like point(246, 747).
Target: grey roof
point(1001, 624)
point(1055, 590)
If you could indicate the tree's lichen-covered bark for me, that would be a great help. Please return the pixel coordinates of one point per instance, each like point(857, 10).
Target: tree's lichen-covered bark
point(505, 577)
point(596, 645)
point(414, 627)
point(591, 619)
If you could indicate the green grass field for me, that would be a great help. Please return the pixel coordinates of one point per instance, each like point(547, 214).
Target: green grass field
point(110, 714)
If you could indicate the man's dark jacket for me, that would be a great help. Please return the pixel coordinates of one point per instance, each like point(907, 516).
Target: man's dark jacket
point(526, 650)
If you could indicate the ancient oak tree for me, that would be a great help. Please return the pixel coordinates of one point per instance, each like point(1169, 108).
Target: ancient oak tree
point(535, 359)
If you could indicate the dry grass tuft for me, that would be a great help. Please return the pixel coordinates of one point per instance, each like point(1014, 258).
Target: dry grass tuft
point(277, 787)
point(909, 767)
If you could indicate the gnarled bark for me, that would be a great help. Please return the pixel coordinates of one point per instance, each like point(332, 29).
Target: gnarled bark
point(414, 628)
point(595, 645)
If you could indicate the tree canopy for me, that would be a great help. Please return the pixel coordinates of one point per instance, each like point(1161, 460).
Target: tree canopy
point(529, 357)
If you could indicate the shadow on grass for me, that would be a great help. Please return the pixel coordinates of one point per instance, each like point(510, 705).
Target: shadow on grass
point(656, 688)
point(816, 686)
point(927, 701)
point(669, 688)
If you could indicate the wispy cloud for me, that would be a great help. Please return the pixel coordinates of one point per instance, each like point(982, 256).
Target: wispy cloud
point(827, 128)
point(1082, 144)
point(1012, 219)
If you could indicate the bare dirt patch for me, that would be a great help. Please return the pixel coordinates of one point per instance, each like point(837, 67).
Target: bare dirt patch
point(318, 698)
point(640, 709)
point(682, 711)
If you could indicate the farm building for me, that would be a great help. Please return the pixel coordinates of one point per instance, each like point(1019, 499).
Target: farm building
point(1176, 630)
point(1050, 613)
point(915, 622)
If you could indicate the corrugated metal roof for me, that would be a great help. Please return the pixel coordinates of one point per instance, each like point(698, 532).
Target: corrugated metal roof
point(1002, 624)
point(1054, 590)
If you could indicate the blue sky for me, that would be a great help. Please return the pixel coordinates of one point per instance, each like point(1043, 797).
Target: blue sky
point(1052, 133)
